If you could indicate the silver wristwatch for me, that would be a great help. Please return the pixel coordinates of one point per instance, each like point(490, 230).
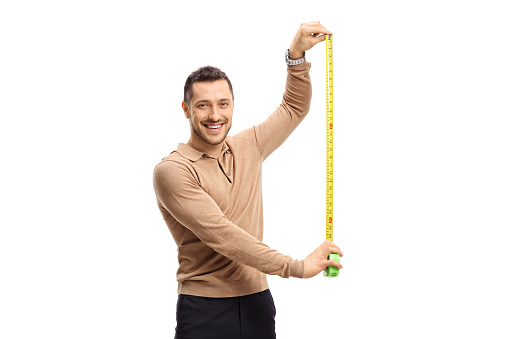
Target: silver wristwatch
point(291, 62)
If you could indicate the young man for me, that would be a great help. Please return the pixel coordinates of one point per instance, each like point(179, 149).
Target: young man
point(209, 192)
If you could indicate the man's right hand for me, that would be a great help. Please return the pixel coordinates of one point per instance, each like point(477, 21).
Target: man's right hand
point(317, 261)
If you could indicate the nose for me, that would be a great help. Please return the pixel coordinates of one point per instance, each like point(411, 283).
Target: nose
point(214, 113)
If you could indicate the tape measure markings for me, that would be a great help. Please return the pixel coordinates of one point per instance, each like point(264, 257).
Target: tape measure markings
point(330, 140)
point(331, 271)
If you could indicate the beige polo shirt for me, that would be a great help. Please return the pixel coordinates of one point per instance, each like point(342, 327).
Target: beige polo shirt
point(213, 206)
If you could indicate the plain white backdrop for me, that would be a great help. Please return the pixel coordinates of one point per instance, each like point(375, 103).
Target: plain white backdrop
point(90, 102)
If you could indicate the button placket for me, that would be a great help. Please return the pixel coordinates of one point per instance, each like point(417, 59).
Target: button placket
point(227, 174)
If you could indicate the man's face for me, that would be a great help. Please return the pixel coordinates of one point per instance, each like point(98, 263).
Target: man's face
point(210, 112)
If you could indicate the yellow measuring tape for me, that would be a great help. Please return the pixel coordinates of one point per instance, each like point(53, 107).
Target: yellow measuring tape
point(331, 271)
point(330, 141)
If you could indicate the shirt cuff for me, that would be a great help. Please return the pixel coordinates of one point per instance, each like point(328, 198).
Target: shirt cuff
point(297, 269)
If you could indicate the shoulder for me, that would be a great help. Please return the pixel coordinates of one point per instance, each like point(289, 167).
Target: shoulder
point(173, 166)
point(244, 142)
point(173, 159)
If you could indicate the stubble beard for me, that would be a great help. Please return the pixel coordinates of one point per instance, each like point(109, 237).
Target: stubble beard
point(205, 138)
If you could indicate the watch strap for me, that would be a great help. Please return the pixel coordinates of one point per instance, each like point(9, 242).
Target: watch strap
point(293, 62)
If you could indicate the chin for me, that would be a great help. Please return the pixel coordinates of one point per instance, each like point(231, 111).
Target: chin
point(216, 141)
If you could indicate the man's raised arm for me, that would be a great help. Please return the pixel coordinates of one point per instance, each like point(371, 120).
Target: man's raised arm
point(270, 134)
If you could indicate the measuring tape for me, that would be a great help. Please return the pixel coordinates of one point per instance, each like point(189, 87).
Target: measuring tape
point(330, 271)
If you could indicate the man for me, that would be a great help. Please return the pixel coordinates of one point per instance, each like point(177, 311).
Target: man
point(209, 192)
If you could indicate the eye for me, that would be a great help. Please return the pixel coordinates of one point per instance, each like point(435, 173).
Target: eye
point(223, 104)
point(201, 105)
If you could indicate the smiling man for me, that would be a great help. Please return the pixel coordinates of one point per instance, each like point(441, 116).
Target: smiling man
point(208, 104)
point(209, 192)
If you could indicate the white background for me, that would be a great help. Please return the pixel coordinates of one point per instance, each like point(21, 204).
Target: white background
point(90, 103)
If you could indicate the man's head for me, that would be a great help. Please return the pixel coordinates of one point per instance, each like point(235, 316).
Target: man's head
point(208, 104)
point(204, 74)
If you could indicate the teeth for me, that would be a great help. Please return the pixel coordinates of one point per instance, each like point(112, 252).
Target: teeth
point(213, 126)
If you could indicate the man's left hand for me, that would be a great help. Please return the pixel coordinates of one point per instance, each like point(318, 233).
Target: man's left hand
point(308, 35)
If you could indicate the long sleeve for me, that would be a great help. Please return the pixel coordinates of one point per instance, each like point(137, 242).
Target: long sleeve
point(179, 193)
point(271, 133)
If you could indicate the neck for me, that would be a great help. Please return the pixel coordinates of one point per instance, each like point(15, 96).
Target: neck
point(200, 145)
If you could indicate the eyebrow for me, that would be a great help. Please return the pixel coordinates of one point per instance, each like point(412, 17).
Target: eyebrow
point(206, 101)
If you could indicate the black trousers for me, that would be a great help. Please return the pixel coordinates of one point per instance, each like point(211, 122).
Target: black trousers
point(247, 317)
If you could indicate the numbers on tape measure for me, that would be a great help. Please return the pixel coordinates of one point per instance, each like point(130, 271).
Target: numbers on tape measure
point(330, 141)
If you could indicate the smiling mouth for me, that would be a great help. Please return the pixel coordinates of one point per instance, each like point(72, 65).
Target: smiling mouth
point(214, 127)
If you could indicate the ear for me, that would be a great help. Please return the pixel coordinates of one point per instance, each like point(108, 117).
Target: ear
point(186, 109)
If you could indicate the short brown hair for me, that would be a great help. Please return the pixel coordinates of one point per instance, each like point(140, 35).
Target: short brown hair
point(204, 74)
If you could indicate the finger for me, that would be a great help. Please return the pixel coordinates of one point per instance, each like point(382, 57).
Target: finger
point(338, 252)
point(320, 39)
point(331, 244)
point(312, 24)
point(306, 30)
point(318, 29)
point(317, 37)
point(334, 263)
point(314, 35)
point(327, 244)
point(335, 249)
point(311, 41)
